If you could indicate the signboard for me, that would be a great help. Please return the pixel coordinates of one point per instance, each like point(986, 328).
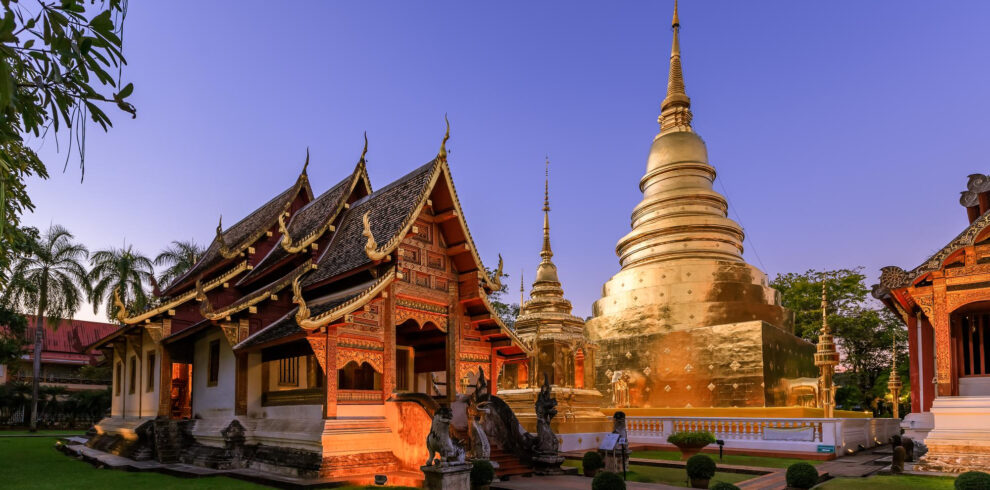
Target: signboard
point(826, 449)
point(609, 443)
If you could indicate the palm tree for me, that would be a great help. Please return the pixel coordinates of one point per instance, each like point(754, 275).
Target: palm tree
point(177, 258)
point(119, 269)
point(49, 279)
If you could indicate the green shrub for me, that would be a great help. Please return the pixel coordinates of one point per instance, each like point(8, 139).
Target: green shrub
point(592, 461)
point(721, 485)
point(606, 480)
point(482, 472)
point(973, 480)
point(802, 475)
point(691, 438)
point(701, 467)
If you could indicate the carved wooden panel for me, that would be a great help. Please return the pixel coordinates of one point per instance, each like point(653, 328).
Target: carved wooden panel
point(373, 358)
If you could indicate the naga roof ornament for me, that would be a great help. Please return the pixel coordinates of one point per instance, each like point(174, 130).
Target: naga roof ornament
point(302, 314)
point(121, 308)
point(497, 280)
point(225, 250)
point(442, 154)
point(371, 246)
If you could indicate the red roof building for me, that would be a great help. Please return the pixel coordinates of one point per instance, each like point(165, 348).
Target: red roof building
point(63, 353)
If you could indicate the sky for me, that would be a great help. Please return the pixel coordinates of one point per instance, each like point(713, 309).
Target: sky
point(842, 131)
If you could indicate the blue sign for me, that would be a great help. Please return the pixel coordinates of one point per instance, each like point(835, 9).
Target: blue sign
point(826, 449)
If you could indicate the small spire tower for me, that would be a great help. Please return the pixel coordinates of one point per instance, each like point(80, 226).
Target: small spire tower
point(894, 383)
point(826, 358)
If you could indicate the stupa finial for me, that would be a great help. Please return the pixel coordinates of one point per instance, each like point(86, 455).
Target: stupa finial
point(675, 111)
point(546, 253)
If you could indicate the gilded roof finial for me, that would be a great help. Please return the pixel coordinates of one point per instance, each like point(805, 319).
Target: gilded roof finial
point(497, 280)
point(825, 329)
point(119, 304)
point(546, 253)
point(442, 155)
point(371, 246)
point(522, 290)
point(365, 150)
point(306, 164)
point(675, 111)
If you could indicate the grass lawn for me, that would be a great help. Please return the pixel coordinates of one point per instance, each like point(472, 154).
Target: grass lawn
point(891, 481)
point(61, 432)
point(736, 459)
point(668, 476)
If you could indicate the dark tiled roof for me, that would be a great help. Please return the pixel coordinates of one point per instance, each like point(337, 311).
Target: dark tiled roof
point(390, 208)
point(286, 326)
point(305, 221)
point(234, 236)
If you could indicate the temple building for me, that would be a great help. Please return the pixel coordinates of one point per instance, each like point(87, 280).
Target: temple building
point(560, 351)
point(687, 322)
point(314, 337)
point(64, 352)
point(945, 304)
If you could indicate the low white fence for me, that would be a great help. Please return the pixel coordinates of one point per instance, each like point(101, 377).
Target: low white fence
point(797, 435)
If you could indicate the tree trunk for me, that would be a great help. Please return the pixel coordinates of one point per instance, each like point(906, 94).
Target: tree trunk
point(39, 336)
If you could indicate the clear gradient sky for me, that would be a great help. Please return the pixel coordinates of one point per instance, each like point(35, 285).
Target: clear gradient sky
point(842, 131)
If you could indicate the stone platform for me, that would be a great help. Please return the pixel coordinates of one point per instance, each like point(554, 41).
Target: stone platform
point(101, 459)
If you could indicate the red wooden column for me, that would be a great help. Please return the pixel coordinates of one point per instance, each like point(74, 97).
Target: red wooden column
point(331, 371)
point(914, 343)
point(388, 357)
point(943, 337)
point(240, 383)
point(164, 383)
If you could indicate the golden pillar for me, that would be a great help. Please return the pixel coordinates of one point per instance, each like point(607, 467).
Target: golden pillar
point(826, 358)
point(894, 384)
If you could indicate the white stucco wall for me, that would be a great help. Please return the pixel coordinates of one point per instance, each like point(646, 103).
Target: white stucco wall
point(141, 403)
point(213, 401)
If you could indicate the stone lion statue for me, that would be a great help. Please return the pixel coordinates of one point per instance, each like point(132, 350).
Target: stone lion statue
point(439, 443)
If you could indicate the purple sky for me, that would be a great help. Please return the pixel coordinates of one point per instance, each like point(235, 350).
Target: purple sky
point(842, 132)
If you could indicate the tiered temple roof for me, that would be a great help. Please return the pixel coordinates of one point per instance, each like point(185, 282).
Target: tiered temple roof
point(297, 263)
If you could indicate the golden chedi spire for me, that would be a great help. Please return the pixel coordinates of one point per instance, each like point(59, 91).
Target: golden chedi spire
point(547, 303)
point(675, 111)
point(681, 263)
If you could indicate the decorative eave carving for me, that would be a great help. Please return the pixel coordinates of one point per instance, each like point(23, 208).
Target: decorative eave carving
point(893, 277)
point(977, 184)
point(166, 307)
point(305, 319)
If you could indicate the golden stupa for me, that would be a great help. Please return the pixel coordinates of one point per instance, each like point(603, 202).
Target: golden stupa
point(687, 322)
point(561, 351)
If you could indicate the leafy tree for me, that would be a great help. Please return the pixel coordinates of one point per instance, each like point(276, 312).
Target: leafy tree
point(177, 258)
point(13, 326)
point(50, 280)
point(119, 269)
point(865, 332)
point(57, 64)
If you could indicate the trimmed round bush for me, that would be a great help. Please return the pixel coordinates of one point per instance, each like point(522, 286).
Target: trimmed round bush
point(606, 480)
point(802, 475)
point(482, 472)
point(721, 485)
point(973, 480)
point(691, 438)
point(701, 467)
point(592, 461)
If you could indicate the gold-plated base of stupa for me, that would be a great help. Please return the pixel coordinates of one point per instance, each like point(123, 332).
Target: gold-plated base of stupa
point(747, 364)
point(578, 410)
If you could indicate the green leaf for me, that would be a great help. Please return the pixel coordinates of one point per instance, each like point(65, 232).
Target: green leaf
point(29, 43)
point(124, 92)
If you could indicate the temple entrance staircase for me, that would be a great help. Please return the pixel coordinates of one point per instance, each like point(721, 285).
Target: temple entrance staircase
point(509, 465)
point(169, 440)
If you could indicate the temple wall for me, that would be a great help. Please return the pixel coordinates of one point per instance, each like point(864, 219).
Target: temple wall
point(142, 402)
point(212, 401)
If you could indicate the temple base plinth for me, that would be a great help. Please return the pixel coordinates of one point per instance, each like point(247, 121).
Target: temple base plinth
point(456, 476)
point(548, 464)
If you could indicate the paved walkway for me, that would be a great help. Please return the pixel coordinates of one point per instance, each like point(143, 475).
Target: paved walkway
point(567, 482)
point(858, 465)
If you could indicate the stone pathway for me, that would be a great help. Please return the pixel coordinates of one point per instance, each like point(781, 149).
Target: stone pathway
point(567, 482)
point(858, 465)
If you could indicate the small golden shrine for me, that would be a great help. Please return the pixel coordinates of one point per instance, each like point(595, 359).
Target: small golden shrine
point(560, 350)
point(687, 322)
point(826, 358)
